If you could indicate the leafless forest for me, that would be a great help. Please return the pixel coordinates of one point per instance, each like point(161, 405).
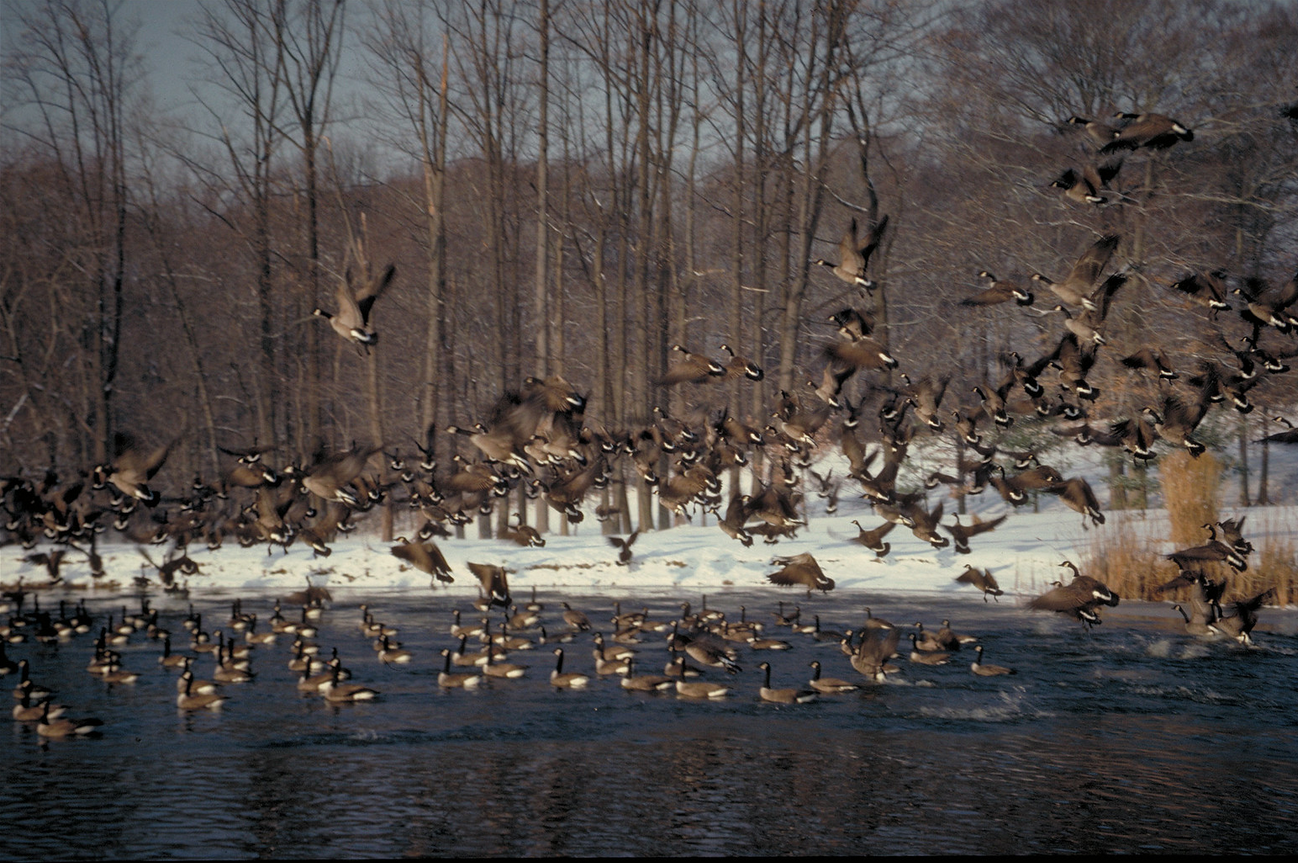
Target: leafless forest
point(571, 188)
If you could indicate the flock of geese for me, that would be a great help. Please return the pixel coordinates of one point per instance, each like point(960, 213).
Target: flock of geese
point(539, 440)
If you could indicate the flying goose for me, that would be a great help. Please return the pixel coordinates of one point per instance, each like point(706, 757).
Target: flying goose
point(1239, 623)
point(1078, 598)
point(424, 556)
point(740, 366)
point(1085, 186)
point(983, 580)
point(854, 257)
point(352, 320)
point(1197, 625)
point(691, 368)
point(1214, 550)
point(873, 538)
point(1077, 286)
point(999, 291)
point(623, 546)
point(875, 649)
point(1153, 131)
point(783, 696)
point(961, 533)
point(801, 570)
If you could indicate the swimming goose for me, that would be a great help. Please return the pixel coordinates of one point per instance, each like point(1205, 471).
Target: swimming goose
point(60, 727)
point(978, 668)
point(571, 680)
point(191, 699)
point(575, 619)
point(25, 711)
point(926, 657)
point(392, 654)
point(828, 685)
point(701, 689)
point(507, 670)
point(346, 693)
point(644, 682)
point(783, 696)
point(447, 680)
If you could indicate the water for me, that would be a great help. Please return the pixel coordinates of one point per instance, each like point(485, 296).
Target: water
point(1130, 738)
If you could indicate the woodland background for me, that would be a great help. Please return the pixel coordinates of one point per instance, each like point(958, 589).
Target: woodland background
point(571, 187)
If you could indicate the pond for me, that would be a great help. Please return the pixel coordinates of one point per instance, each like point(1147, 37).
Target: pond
point(1131, 737)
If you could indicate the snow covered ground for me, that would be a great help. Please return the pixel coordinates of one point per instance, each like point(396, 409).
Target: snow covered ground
point(1023, 553)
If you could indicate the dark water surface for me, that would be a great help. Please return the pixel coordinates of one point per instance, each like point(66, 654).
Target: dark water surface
point(1132, 738)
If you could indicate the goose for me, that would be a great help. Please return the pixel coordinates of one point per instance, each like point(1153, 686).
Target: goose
point(801, 570)
point(783, 696)
point(571, 680)
point(424, 556)
point(508, 670)
point(983, 580)
point(691, 368)
point(59, 727)
point(575, 619)
point(1243, 617)
point(252, 636)
point(447, 680)
point(197, 686)
point(928, 641)
point(953, 640)
point(1078, 598)
point(1099, 133)
point(872, 622)
point(1152, 131)
point(740, 366)
point(191, 699)
point(1197, 625)
point(1213, 551)
point(1084, 186)
point(311, 681)
point(999, 292)
point(961, 533)
point(708, 651)
point(829, 635)
point(1077, 494)
point(117, 674)
point(1149, 359)
point(26, 686)
point(926, 657)
point(1077, 286)
point(854, 257)
point(872, 654)
point(131, 469)
point(605, 665)
point(755, 643)
point(534, 606)
point(677, 666)
point(828, 685)
point(782, 619)
point(644, 682)
point(701, 689)
point(25, 711)
point(169, 659)
point(352, 320)
point(624, 547)
point(523, 619)
point(346, 693)
point(978, 668)
point(1207, 289)
point(391, 654)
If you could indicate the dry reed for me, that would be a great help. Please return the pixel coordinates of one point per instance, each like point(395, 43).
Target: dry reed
point(1190, 487)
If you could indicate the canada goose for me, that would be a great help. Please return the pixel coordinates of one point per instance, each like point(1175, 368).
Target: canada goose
point(575, 619)
point(25, 711)
point(1078, 598)
point(332, 475)
point(1214, 550)
point(828, 685)
point(1267, 308)
point(1197, 625)
point(1289, 435)
point(447, 680)
point(983, 580)
point(252, 636)
point(925, 524)
point(605, 665)
point(311, 680)
point(424, 556)
point(801, 570)
point(740, 366)
point(1077, 286)
point(644, 682)
point(830, 635)
point(337, 692)
point(522, 619)
point(1150, 360)
point(707, 650)
point(854, 257)
point(117, 674)
point(507, 670)
point(978, 668)
point(872, 622)
point(1099, 133)
point(391, 654)
point(190, 698)
point(132, 468)
point(701, 689)
point(692, 368)
point(1076, 492)
point(872, 654)
point(929, 642)
point(1085, 186)
point(926, 657)
point(849, 357)
point(571, 680)
point(1176, 420)
point(623, 545)
point(951, 639)
point(352, 320)
point(1243, 617)
point(60, 727)
point(1232, 534)
point(999, 292)
point(26, 686)
point(961, 533)
point(1207, 289)
point(1153, 131)
point(783, 696)
point(494, 582)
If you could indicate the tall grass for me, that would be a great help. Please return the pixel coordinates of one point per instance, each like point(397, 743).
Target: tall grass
point(1190, 487)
